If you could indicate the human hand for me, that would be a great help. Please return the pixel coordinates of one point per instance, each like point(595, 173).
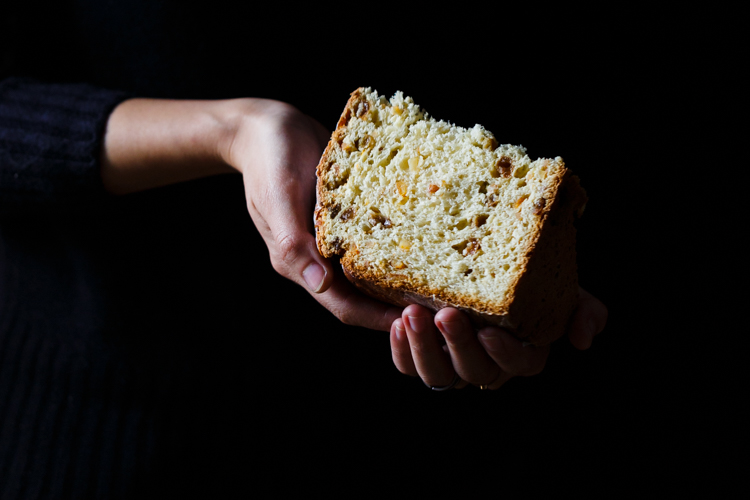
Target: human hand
point(150, 143)
point(277, 149)
point(446, 351)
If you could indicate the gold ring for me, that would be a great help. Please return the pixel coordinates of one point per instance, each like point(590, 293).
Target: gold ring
point(487, 386)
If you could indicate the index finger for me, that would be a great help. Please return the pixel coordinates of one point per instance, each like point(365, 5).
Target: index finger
point(352, 307)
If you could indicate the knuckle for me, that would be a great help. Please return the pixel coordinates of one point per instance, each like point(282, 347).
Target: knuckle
point(345, 312)
point(457, 341)
point(420, 348)
point(346, 317)
point(288, 248)
point(350, 312)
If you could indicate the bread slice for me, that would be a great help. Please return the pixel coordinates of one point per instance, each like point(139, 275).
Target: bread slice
point(424, 212)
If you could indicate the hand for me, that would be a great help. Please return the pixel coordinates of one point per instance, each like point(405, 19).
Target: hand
point(156, 142)
point(277, 149)
point(447, 346)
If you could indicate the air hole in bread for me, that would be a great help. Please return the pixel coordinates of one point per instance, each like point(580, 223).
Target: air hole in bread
point(479, 220)
point(339, 177)
point(404, 164)
point(387, 160)
point(521, 171)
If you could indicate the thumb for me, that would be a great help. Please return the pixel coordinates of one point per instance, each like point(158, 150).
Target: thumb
point(316, 274)
point(294, 252)
point(296, 257)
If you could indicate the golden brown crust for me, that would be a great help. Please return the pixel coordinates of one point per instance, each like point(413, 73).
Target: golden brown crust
point(544, 294)
point(324, 202)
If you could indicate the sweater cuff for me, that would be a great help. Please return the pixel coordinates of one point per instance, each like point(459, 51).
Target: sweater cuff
point(50, 140)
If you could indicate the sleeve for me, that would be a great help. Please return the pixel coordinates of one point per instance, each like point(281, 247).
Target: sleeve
point(50, 137)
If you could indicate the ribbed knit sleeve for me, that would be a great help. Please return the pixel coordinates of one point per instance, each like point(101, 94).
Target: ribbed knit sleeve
point(50, 136)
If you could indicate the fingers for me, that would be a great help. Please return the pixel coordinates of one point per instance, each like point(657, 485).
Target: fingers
point(353, 308)
point(402, 355)
point(294, 253)
point(277, 150)
point(400, 350)
point(510, 354)
point(430, 361)
point(417, 349)
point(296, 256)
point(487, 359)
point(468, 357)
point(588, 320)
point(280, 194)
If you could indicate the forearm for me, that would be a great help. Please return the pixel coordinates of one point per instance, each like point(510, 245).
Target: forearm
point(150, 143)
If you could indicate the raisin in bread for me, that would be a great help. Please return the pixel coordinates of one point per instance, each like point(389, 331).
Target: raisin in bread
point(424, 212)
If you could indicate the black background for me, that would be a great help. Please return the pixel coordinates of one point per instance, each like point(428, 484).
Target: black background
point(617, 94)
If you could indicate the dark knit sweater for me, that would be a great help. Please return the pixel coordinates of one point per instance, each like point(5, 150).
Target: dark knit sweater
point(49, 142)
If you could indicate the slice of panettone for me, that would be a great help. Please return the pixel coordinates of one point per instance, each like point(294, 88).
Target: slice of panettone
point(424, 212)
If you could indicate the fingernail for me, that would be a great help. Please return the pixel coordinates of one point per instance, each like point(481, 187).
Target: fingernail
point(399, 333)
point(417, 323)
point(448, 327)
point(314, 276)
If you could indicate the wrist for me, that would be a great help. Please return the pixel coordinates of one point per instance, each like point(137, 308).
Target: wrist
point(248, 126)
